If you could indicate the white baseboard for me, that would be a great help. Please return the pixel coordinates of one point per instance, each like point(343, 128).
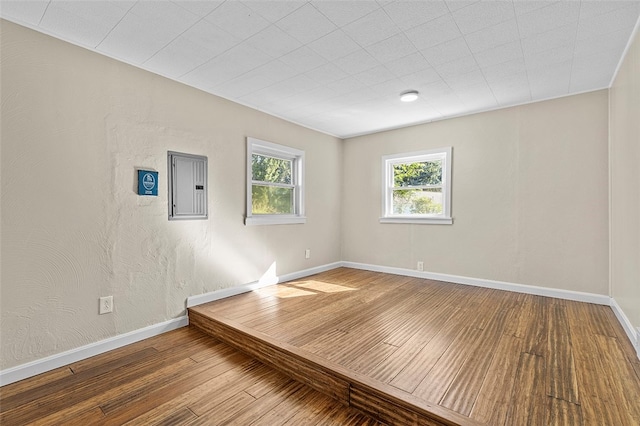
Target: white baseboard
point(43, 365)
point(498, 285)
point(632, 333)
point(233, 291)
point(20, 372)
point(201, 299)
point(33, 368)
point(311, 271)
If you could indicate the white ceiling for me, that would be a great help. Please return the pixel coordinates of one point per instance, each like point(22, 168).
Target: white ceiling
point(339, 66)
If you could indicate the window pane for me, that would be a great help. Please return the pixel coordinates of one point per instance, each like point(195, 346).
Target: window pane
point(418, 174)
point(417, 201)
point(271, 200)
point(270, 169)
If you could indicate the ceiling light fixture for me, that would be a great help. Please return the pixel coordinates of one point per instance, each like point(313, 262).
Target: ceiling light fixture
point(409, 96)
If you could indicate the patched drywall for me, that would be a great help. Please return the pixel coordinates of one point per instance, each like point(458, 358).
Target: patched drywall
point(529, 197)
point(625, 184)
point(75, 127)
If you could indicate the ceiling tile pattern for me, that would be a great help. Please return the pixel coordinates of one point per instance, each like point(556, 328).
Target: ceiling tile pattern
point(338, 66)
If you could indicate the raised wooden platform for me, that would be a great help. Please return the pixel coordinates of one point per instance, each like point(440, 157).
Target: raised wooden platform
point(380, 401)
point(411, 351)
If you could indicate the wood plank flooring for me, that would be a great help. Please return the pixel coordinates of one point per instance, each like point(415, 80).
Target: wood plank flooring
point(490, 356)
point(183, 377)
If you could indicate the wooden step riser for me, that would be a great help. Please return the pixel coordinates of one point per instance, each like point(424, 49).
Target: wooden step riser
point(376, 399)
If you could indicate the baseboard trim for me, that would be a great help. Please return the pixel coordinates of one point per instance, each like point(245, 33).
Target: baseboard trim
point(36, 367)
point(33, 368)
point(233, 291)
point(632, 334)
point(498, 285)
point(598, 299)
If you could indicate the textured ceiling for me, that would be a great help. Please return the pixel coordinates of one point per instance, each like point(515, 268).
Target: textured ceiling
point(339, 66)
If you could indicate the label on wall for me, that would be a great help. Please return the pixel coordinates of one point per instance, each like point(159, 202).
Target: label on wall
point(147, 182)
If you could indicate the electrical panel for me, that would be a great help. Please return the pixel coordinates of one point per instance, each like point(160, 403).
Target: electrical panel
point(187, 186)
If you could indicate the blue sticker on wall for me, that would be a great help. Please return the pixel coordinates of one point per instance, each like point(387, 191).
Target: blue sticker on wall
point(147, 182)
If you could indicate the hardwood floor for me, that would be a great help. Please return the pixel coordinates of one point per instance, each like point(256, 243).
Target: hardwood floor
point(490, 356)
point(404, 350)
point(182, 377)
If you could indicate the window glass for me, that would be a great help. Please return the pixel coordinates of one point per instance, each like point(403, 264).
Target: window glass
point(271, 200)
point(275, 184)
point(417, 201)
point(416, 187)
point(420, 173)
point(270, 169)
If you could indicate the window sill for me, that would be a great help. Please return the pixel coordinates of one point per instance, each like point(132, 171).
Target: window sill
point(274, 220)
point(418, 220)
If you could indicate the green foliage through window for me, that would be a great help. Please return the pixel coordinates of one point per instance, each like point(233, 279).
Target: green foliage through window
point(270, 169)
point(417, 187)
point(423, 183)
point(271, 200)
point(271, 191)
point(275, 184)
point(417, 201)
point(417, 174)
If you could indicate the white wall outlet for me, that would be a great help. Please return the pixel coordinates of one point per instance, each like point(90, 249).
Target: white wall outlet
point(420, 266)
point(106, 305)
point(307, 254)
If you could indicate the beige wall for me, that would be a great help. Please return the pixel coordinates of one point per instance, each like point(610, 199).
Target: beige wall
point(75, 126)
point(625, 184)
point(529, 200)
point(530, 197)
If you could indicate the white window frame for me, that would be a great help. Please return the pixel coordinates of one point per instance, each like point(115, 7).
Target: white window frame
point(257, 146)
point(388, 161)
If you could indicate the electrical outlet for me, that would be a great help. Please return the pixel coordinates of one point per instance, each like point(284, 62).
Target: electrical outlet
point(307, 254)
point(106, 305)
point(420, 266)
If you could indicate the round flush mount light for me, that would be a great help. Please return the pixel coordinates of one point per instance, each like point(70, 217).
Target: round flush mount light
point(409, 96)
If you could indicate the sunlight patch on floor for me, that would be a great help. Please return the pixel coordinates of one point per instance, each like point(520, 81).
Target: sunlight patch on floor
point(323, 287)
point(283, 292)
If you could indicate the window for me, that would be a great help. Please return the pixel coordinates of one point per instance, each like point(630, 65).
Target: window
point(275, 184)
point(417, 187)
point(187, 186)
